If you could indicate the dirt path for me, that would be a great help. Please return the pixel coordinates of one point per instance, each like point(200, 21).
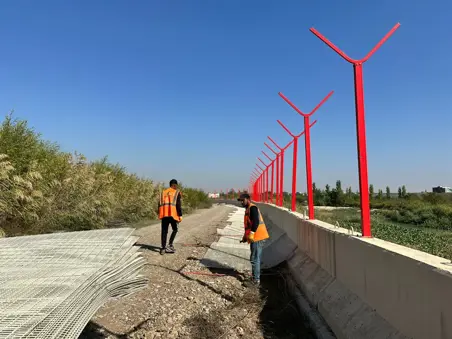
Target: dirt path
point(177, 304)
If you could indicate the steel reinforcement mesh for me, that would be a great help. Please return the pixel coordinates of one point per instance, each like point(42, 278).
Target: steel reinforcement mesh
point(51, 285)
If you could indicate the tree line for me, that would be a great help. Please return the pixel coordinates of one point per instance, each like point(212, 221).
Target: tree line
point(338, 197)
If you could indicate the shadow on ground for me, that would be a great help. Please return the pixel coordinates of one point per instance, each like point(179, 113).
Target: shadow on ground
point(280, 317)
point(94, 331)
point(149, 247)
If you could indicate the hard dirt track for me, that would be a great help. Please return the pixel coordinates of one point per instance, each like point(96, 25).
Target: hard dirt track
point(177, 304)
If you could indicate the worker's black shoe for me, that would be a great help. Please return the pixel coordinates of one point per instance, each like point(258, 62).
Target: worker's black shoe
point(162, 251)
point(251, 283)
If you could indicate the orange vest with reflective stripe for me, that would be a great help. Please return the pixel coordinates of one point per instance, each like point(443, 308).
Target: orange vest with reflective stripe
point(167, 204)
point(261, 232)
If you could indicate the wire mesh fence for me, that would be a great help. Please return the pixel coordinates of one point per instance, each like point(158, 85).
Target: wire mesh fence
point(51, 285)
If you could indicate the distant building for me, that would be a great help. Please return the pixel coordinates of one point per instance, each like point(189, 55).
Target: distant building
point(442, 189)
point(214, 195)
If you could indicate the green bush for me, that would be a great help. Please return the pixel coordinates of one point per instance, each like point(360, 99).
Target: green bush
point(43, 189)
point(194, 199)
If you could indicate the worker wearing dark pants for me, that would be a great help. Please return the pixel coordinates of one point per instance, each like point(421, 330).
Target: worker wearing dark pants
point(165, 225)
point(170, 213)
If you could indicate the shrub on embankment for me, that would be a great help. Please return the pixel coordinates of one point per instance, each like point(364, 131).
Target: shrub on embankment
point(43, 189)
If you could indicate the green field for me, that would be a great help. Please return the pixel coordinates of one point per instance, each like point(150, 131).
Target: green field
point(421, 221)
point(427, 239)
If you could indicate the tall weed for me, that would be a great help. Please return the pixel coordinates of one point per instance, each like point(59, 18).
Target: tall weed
point(43, 189)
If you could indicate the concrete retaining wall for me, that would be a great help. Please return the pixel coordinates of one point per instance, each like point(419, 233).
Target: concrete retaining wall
point(367, 288)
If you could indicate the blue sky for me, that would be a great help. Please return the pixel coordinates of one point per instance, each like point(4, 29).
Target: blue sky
point(189, 89)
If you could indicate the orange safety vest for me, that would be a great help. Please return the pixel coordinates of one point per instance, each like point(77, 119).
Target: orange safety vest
point(261, 232)
point(167, 204)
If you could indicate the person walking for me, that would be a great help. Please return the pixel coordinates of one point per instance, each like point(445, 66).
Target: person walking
point(255, 234)
point(170, 213)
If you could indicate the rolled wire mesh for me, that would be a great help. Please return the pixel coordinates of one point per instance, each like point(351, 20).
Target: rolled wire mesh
point(51, 285)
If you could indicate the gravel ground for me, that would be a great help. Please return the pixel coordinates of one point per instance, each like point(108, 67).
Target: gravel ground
point(177, 304)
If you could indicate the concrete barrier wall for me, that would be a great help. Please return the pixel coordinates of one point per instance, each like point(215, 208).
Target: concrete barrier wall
point(367, 288)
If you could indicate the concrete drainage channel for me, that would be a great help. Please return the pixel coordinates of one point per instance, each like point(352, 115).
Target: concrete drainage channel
point(286, 313)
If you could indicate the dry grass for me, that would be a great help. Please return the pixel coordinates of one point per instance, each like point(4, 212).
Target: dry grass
point(43, 189)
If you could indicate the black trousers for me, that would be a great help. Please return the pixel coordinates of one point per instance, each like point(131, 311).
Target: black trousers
point(165, 225)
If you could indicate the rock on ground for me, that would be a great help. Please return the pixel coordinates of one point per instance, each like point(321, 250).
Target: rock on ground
point(177, 304)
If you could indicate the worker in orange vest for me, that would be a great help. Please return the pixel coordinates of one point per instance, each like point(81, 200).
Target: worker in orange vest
point(170, 213)
point(255, 234)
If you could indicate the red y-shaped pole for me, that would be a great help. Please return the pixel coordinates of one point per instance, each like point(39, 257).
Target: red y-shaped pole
point(261, 198)
point(258, 181)
point(307, 140)
point(256, 188)
point(266, 179)
point(253, 184)
point(295, 156)
point(281, 170)
point(360, 125)
point(277, 173)
point(272, 162)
